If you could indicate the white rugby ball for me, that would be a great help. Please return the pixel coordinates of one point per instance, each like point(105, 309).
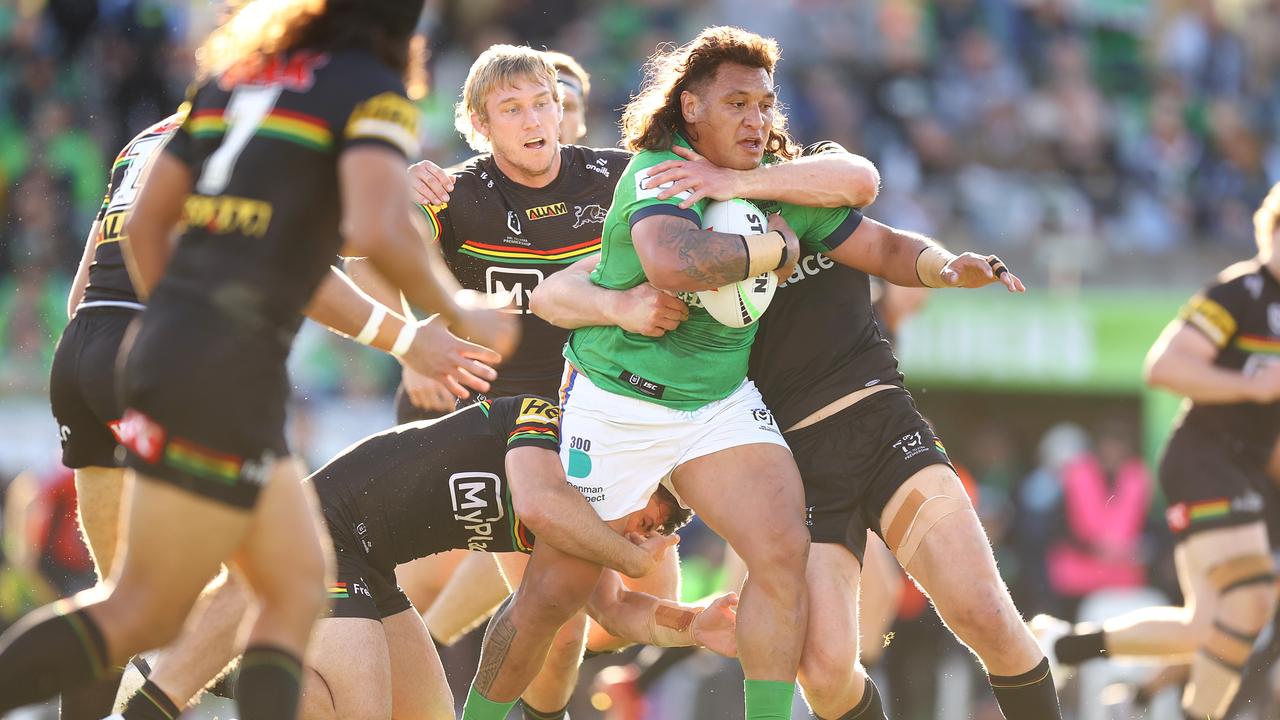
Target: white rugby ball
point(742, 303)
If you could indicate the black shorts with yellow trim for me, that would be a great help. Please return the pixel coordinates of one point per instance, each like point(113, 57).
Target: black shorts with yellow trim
point(205, 401)
point(1212, 480)
point(854, 461)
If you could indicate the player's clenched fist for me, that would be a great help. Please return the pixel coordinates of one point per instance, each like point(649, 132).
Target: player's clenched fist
point(646, 310)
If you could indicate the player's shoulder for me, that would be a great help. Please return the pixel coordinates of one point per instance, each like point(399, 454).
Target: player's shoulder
point(342, 66)
point(1247, 275)
point(612, 159)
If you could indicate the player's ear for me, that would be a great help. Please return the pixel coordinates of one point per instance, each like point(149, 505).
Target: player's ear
point(480, 124)
point(690, 106)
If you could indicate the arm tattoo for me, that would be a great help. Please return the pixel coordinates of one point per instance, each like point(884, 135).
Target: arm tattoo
point(497, 642)
point(707, 258)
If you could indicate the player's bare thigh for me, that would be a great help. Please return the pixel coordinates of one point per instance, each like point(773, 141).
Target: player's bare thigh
point(348, 673)
point(99, 491)
point(419, 689)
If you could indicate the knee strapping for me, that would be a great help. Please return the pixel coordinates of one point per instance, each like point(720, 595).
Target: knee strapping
point(915, 519)
point(1241, 571)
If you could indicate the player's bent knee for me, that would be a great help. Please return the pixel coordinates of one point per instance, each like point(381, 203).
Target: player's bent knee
point(781, 553)
point(829, 668)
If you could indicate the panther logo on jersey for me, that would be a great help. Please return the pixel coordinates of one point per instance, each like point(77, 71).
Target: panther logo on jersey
point(588, 215)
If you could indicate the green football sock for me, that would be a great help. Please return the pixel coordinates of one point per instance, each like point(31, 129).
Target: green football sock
point(769, 699)
point(480, 708)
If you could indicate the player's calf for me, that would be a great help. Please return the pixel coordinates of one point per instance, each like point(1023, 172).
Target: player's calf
point(1246, 603)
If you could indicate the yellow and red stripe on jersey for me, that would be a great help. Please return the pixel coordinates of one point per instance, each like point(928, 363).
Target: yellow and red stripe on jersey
point(339, 591)
point(533, 432)
point(1258, 344)
point(432, 212)
point(529, 256)
point(295, 127)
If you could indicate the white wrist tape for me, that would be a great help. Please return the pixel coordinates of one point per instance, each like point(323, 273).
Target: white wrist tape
point(371, 326)
point(404, 339)
point(929, 264)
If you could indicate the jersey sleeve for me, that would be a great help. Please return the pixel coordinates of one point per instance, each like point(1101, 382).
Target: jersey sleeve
point(638, 200)
point(529, 421)
point(1213, 311)
point(821, 229)
point(438, 218)
point(382, 115)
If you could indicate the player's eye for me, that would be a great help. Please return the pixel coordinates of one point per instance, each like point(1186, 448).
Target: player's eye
point(738, 104)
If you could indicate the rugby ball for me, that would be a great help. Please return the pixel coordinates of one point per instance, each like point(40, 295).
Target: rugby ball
point(742, 303)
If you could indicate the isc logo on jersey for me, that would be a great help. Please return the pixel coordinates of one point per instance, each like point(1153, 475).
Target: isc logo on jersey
point(477, 504)
point(742, 303)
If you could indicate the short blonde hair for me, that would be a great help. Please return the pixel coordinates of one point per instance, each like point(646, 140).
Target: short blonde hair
point(1266, 220)
point(499, 66)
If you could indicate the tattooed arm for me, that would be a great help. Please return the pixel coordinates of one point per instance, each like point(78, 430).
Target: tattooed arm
point(678, 256)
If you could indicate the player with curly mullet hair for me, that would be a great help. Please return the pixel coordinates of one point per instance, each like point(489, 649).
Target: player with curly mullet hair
point(636, 411)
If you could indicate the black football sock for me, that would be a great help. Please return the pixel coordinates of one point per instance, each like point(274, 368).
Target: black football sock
point(151, 703)
point(51, 650)
point(269, 684)
point(1075, 649)
point(532, 714)
point(93, 701)
point(1029, 696)
point(869, 707)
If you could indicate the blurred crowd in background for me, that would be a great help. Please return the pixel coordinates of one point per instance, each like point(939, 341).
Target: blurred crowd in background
point(1090, 142)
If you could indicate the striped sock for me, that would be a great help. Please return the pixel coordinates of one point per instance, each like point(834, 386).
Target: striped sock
point(54, 649)
point(269, 685)
point(531, 714)
point(151, 703)
point(1029, 696)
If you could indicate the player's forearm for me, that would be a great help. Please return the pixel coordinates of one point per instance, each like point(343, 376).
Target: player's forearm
point(637, 617)
point(371, 282)
point(677, 256)
point(1196, 379)
point(568, 299)
point(827, 180)
point(565, 521)
point(416, 269)
point(879, 249)
point(340, 306)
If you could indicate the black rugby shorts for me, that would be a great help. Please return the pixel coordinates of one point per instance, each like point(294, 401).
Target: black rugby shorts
point(83, 392)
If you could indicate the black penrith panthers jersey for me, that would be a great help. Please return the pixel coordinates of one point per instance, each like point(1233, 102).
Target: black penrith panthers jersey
point(1240, 314)
point(434, 485)
point(504, 238)
point(263, 217)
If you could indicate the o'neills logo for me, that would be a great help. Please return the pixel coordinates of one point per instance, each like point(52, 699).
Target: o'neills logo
point(547, 211)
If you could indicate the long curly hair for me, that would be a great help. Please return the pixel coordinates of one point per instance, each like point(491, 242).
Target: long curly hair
point(260, 29)
point(653, 116)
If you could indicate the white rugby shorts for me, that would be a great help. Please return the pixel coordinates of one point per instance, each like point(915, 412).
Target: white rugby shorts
point(616, 449)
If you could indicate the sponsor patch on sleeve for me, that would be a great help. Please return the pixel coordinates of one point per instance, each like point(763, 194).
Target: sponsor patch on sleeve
point(388, 117)
point(1210, 318)
point(538, 420)
point(645, 193)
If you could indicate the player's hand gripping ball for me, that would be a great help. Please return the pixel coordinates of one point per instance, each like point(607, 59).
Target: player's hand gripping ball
point(742, 303)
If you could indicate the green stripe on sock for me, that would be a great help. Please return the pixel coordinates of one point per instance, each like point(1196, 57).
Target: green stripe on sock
point(479, 707)
point(769, 699)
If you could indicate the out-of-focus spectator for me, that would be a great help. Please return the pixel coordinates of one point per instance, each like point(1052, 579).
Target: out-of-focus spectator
point(1038, 500)
point(1106, 499)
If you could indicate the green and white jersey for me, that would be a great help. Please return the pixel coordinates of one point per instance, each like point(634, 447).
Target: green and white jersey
point(702, 360)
